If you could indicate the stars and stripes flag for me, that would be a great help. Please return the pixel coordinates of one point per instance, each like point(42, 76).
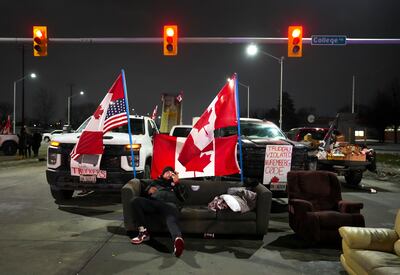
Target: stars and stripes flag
point(154, 114)
point(110, 114)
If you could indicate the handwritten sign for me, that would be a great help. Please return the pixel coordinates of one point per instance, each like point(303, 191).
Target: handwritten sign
point(278, 160)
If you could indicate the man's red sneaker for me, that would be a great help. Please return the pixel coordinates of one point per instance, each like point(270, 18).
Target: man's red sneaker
point(142, 237)
point(179, 245)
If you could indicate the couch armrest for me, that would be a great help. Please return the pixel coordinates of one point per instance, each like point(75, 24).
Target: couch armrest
point(263, 208)
point(350, 207)
point(299, 206)
point(129, 191)
point(380, 239)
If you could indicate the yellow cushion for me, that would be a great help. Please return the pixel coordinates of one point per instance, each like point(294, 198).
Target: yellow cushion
point(397, 247)
point(351, 267)
point(381, 239)
point(397, 223)
point(370, 260)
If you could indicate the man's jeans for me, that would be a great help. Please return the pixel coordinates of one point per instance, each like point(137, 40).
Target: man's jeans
point(142, 206)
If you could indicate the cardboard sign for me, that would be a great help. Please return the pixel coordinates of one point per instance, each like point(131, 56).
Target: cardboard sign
point(278, 160)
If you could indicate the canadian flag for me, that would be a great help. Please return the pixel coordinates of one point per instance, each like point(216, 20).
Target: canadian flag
point(154, 114)
point(7, 127)
point(201, 154)
point(219, 159)
point(179, 97)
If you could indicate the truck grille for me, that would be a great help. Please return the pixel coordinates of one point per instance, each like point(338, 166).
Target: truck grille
point(110, 161)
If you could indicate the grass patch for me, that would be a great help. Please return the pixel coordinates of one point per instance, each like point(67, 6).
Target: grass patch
point(388, 159)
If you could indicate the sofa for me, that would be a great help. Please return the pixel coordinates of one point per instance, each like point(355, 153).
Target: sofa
point(195, 216)
point(316, 209)
point(371, 250)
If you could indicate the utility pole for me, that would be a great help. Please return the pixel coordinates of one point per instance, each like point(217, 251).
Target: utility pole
point(71, 86)
point(23, 88)
point(353, 93)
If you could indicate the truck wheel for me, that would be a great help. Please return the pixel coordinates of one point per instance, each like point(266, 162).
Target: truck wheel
point(147, 171)
point(353, 178)
point(10, 148)
point(60, 194)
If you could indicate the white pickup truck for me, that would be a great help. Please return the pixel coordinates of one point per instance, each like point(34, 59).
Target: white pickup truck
point(116, 159)
point(9, 144)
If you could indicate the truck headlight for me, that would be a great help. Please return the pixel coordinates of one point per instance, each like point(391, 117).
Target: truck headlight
point(55, 144)
point(136, 157)
point(135, 147)
point(52, 158)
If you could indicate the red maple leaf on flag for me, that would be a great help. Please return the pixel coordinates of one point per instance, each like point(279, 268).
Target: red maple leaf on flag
point(98, 113)
point(198, 163)
point(203, 121)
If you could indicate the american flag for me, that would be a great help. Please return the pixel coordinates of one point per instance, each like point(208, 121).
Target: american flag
point(116, 115)
point(111, 113)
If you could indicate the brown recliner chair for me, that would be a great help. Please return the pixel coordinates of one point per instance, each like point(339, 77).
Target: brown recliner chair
point(316, 209)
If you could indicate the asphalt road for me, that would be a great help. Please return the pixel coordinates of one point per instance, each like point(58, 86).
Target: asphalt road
point(86, 236)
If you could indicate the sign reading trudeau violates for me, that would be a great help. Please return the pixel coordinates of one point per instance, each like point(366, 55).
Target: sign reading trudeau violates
point(278, 160)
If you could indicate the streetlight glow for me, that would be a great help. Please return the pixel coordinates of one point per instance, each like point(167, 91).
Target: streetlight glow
point(33, 75)
point(81, 92)
point(252, 49)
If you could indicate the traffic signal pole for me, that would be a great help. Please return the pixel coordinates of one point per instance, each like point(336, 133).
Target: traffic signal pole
point(196, 40)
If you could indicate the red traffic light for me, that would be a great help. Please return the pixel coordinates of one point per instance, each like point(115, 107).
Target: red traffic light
point(295, 41)
point(170, 40)
point(39, 40)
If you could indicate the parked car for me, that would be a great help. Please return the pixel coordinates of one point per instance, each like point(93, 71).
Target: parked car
point(180, 130)
point(116, 160)
point(317, 133)
point(47, 137)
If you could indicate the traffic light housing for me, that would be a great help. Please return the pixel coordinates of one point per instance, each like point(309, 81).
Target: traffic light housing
point(170, 40)
point(295, 41)
point(39, 40)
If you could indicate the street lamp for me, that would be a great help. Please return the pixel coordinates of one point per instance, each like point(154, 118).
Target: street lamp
point(252, 50)
point(248, 95)
point(69, 105)
point(32, 75)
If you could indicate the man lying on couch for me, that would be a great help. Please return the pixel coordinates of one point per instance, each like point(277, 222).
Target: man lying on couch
point(161, 198)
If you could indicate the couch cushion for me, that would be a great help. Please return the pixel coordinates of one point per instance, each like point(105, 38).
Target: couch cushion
point(196, 212)
point(203, 192)
point(228, 214)
point(371, 260)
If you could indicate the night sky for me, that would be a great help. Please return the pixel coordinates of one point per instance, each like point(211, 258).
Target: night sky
point(322, 78)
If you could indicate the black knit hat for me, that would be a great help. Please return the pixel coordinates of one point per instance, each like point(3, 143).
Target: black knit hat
point(166, 169)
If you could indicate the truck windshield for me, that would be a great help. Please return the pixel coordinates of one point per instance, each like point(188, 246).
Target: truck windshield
point(137, 127)
point(254, 130)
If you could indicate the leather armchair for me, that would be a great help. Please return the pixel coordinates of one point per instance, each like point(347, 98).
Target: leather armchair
point(316, 209)
point(371, 250)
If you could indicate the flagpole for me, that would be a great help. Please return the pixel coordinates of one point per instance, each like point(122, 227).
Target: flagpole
point(239, 132)
point(129, 122)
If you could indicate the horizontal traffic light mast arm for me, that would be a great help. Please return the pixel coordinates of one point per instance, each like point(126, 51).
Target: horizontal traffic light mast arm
point(194, 40)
